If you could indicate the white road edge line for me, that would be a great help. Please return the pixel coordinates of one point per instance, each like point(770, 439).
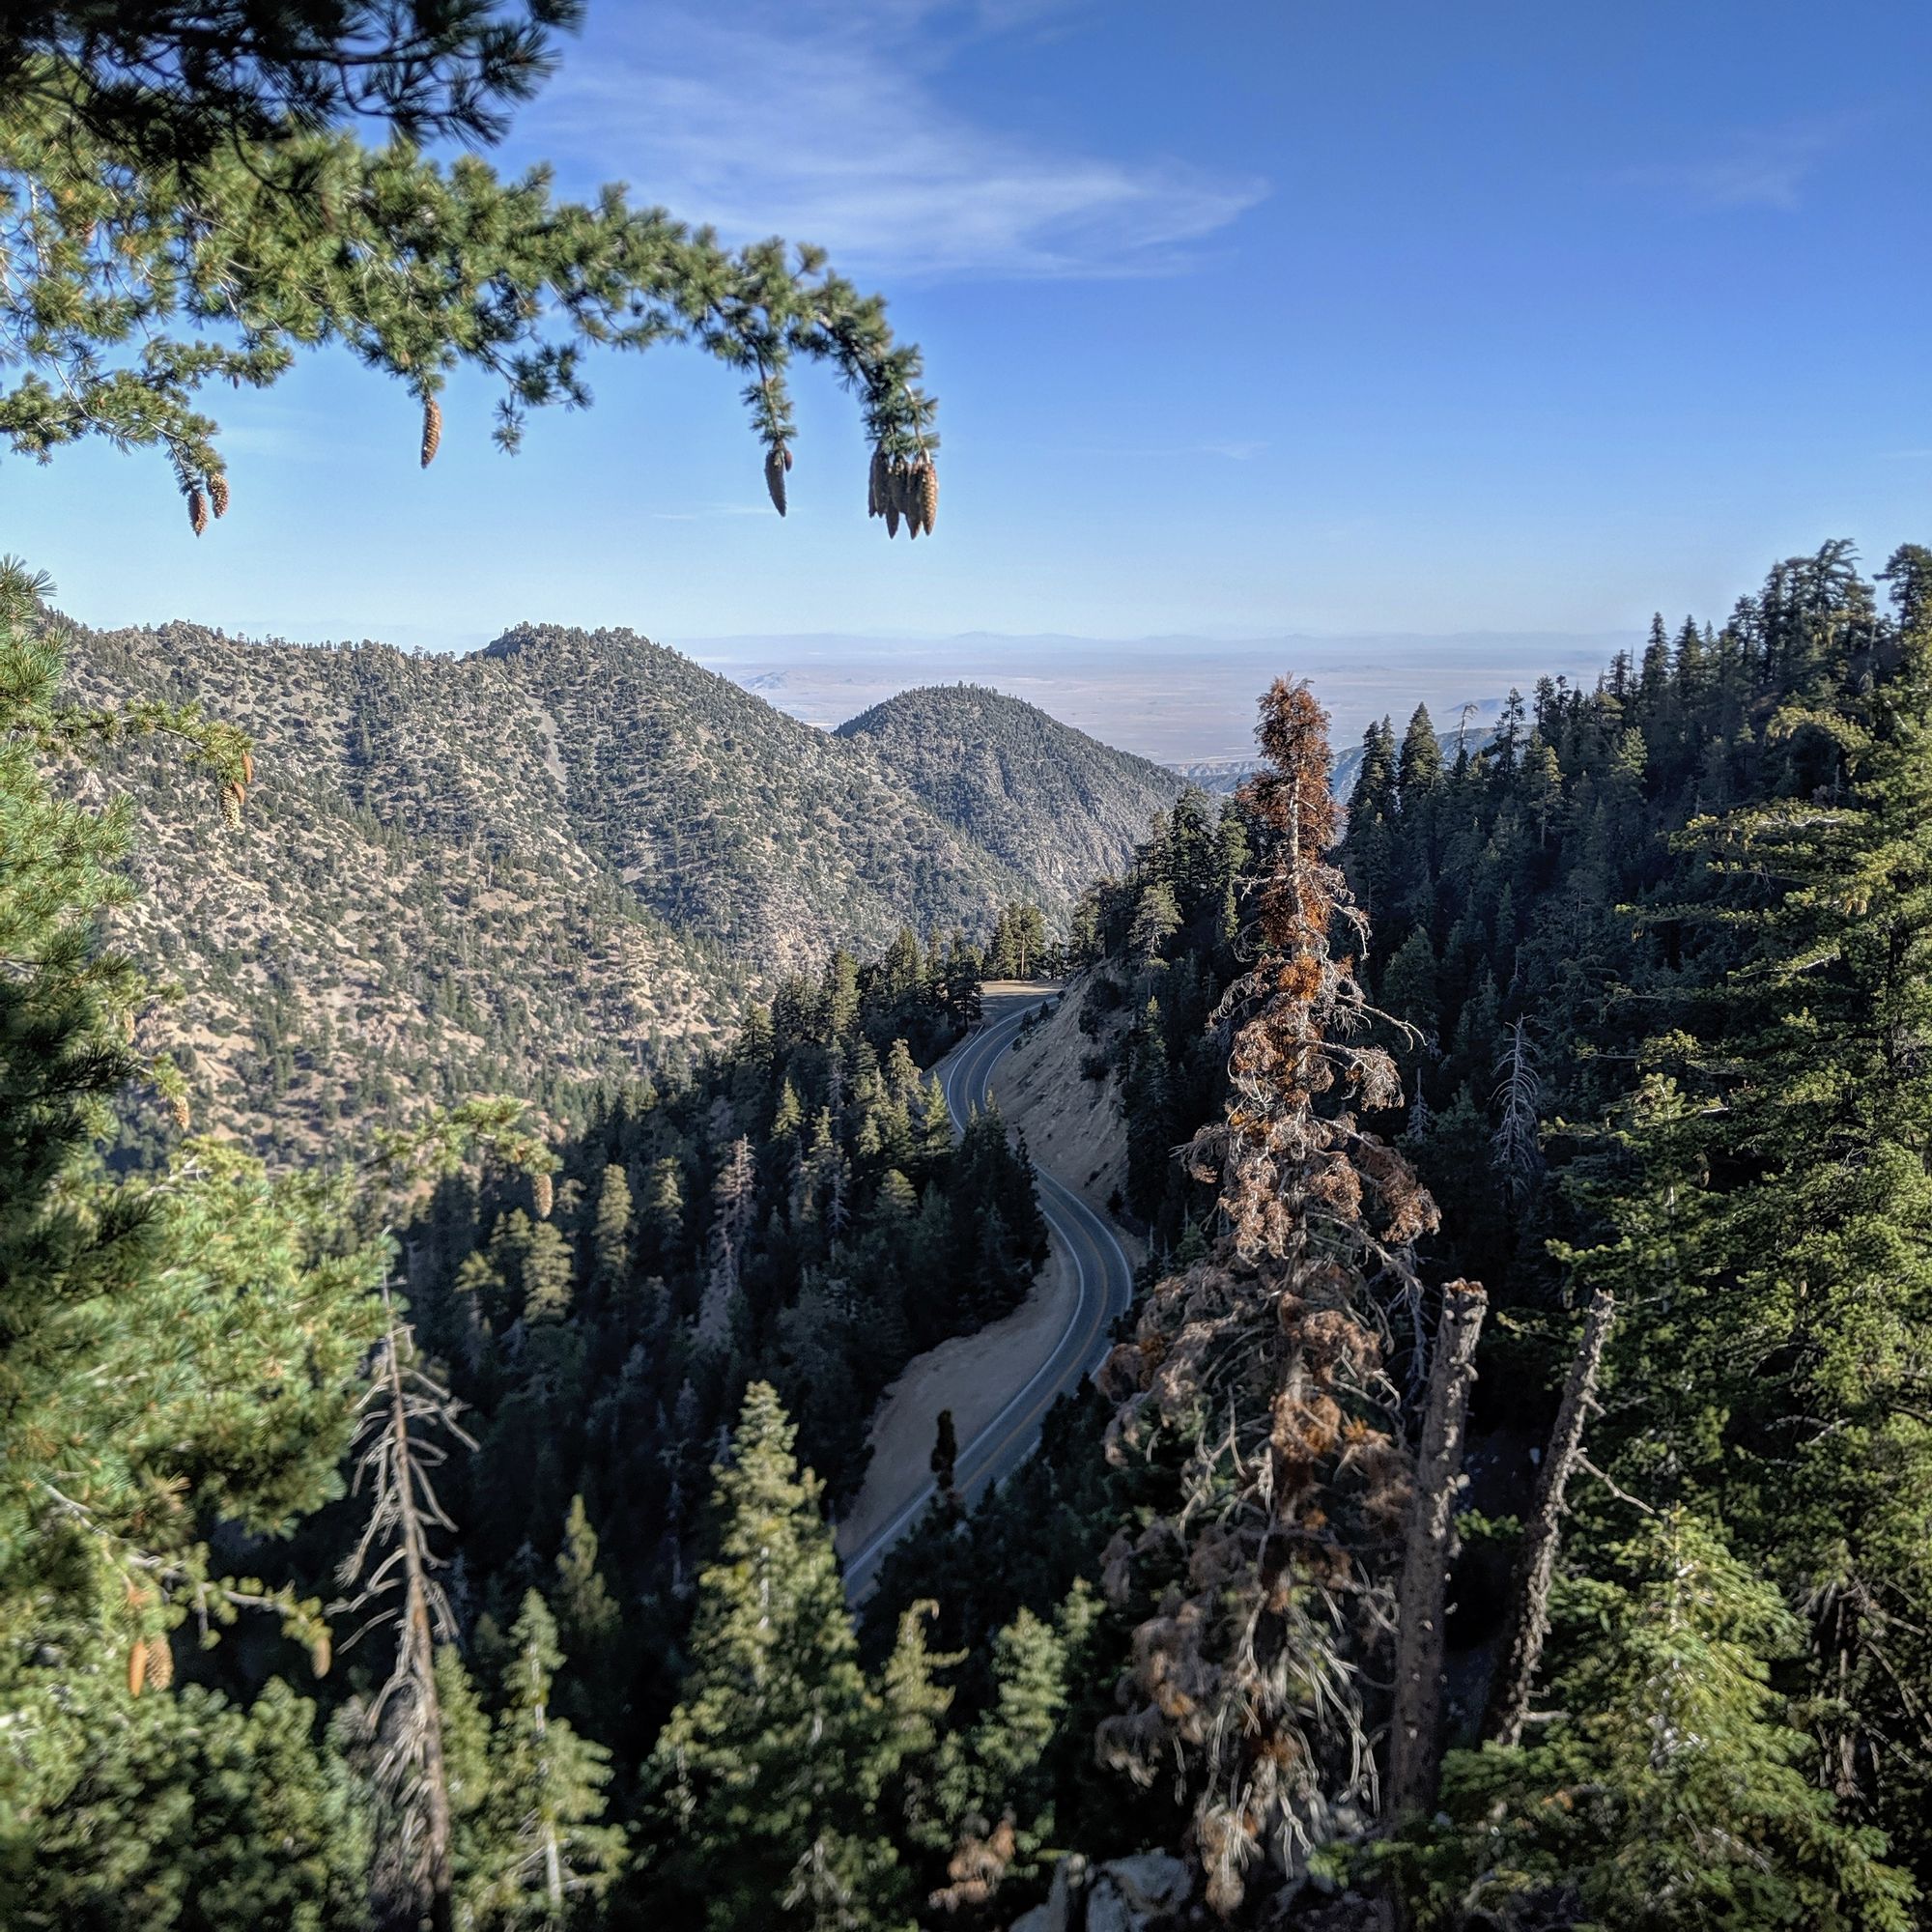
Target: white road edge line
point(974, 1051)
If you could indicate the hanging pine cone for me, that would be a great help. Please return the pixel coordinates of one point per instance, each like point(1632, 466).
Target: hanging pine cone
point(432, 439)
point(775, 480)
point(137, 1667)
point(232, 797)
point(891, 518)
point(218, 493)
point(876, 484)
point(161, 1662)
point(179, 1108)
point(321, 1655)
point(928, 494)
point(197, 509)
point(247, 768)
point(544, 1193)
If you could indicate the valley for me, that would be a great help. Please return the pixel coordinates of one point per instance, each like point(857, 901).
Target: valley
point(1175, 1175)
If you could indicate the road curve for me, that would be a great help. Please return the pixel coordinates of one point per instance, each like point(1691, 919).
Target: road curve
point(1105, 1290)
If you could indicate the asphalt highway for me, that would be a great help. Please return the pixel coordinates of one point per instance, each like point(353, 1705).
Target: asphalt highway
point(1105, 1290)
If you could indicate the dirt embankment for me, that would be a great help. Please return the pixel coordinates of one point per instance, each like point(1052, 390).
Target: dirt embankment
point(973, 1376)
point(1072, 1124)
point(1073, 1131)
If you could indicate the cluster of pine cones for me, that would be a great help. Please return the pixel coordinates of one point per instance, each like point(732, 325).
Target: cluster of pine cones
point(902, 491)
point(199, 500)
point(235, 792)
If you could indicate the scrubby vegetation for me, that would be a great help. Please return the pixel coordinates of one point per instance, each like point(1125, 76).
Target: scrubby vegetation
point(567, 859)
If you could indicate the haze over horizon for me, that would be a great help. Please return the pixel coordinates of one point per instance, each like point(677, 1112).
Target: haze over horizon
point(1179, 699)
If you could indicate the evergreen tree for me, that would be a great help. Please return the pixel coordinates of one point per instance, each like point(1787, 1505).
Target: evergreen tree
point(1418, 766)
point(1806, 1258)
point(1409, 983)
point(945, 1463)
point(1011, 1744)
point(1673, 1792)
point(548, 1787)
point(1157, 920)
point(250, 222)
point(590, 1616)
point(610, 1235)
point(1284, 1513)
point(184, 1813)
point(762, 1770)
point(468, 1775)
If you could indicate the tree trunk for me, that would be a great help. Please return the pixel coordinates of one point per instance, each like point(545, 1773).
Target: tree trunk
point(418, 1637)
point(1415, 1750)
point(1536, 1561)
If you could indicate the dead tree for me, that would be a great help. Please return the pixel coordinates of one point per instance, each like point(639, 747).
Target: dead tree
point(1415, 1747)
point(1536, 1561)
point(1263, 1362)
point(1515, 1149)
point(396, 1454)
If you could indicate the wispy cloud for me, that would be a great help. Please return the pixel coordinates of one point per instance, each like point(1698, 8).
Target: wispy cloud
point(831, 124)
point(1763, 168)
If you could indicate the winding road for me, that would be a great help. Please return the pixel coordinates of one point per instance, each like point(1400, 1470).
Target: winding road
point(1105, 1290)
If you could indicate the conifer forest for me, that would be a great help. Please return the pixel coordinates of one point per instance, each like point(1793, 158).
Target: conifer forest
point(540, 1193)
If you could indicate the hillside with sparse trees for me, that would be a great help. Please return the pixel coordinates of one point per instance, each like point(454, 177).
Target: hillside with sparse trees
point(566, 858)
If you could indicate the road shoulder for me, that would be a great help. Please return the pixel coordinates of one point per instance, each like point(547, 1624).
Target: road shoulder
point(975, 1376)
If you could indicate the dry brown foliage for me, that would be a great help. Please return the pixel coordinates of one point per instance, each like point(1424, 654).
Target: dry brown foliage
point(977, 1864)
point(1265, 1361)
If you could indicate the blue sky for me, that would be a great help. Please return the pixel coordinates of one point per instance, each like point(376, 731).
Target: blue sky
point(1245, 320)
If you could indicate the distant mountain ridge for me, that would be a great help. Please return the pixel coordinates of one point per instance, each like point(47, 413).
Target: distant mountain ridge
point(555, 859)
point(1046, 798)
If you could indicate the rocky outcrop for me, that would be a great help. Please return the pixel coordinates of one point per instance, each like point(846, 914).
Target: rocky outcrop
point(1147, 1892)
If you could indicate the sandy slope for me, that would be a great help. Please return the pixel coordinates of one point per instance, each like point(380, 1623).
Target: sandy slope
point(1072, 1124)
point(975, 1375)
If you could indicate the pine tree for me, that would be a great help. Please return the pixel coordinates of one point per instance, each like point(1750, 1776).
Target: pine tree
point(1157, 920)
point(611, 1235)
point(548, 1789)
point(468, 1774)
point(945, 1455)
point(1372, 810)
point(1673, 1793)
point(1408, 989)
point(1264, 1365)
point(186, 1814)
point(1813, 1266)
point(1146, 1102)
point(405, 1412)
point(1418, 767)
point(252, 222)
point(762, 1769)
point(590, 1616)
point(1011, 1743)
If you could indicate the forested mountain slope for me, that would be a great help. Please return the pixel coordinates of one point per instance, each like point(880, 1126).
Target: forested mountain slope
point(1656, 965)
point(551, 861)
point(1624, 1015)
point(1061, 808)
